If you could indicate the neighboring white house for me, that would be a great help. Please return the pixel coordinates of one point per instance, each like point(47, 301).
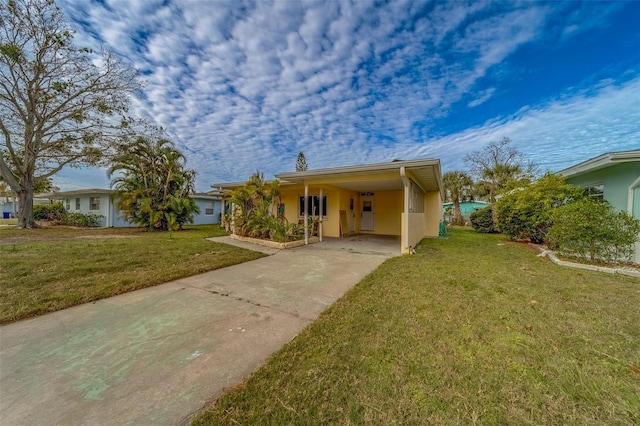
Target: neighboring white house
point(100, 202)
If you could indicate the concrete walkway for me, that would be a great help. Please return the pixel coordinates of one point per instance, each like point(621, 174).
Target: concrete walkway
point(156, 356)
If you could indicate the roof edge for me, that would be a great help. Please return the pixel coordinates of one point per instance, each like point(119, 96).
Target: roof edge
point(601, 161)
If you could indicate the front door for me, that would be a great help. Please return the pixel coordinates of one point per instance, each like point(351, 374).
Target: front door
point(366, 216)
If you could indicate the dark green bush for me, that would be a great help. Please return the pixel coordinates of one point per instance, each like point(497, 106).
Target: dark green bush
point(50, 212)
point(525, 213)
point(592, 229)
point(88, 220)
point(482, 220)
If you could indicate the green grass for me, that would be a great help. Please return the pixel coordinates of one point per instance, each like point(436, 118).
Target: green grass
point(470, 330)
point(47, 269)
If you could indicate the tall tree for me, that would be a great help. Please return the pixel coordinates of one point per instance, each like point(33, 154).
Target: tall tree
point(301, 163)
point(458, 187)
point(57, 107)
point(499, 166)
point(152, 185)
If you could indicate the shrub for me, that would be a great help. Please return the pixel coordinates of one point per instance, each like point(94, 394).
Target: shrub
point(525, 213)
point(89, 220)
point(592, 229)
point(482, 220)
point(54, 212)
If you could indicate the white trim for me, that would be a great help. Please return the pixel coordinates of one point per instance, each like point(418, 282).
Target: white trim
point(404, 226)
point(321, 215)
point(601, 162)
point(306, 214)
point(630, 197)
point(298, 176)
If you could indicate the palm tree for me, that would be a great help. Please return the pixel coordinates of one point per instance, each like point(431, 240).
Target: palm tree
point(153, 185)
point(458, 187)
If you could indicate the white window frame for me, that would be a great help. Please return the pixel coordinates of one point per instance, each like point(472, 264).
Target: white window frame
point(92, 203)
point(594, 190)
point(209, 209)
point(77, 203)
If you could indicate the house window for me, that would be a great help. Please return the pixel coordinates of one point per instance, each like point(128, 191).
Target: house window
point(94, 203)
point(67, 204)
point(208, 209)
point(595, 191)
point(77, 203)
point(314, 205)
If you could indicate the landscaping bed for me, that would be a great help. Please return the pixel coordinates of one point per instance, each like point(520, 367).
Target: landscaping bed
point(274, 244)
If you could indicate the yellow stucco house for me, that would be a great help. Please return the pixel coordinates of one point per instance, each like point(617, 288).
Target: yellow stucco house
point(401, 198)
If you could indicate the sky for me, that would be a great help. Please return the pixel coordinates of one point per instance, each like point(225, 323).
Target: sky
point(243, 86)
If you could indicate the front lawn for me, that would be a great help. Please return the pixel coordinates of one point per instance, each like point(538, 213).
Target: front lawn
point(47, 269)
point(470, 330)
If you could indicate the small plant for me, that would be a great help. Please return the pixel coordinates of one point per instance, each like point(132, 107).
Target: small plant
point(482, 220)
point(592, 229)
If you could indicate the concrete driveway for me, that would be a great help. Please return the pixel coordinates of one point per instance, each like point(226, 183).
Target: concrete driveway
point(156, 356)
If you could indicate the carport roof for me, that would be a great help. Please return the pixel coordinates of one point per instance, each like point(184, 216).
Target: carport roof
point(371, 177)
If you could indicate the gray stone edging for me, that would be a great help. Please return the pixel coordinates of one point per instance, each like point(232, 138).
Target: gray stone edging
point(545, 252)
point(273, 244)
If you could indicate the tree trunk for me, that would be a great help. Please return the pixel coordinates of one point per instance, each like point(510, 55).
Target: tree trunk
point(457, 213)
point(25, 211)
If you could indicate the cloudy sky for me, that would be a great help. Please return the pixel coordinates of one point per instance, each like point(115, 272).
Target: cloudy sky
point(245, 85)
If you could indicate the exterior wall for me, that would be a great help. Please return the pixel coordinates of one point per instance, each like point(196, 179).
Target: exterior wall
point(616, 180)
point(345, 197)
point(432, 213)
point(635, 209)
point(467, 208)
point(203, 218)
point(85, 206)
point(387, 209)
point(331, 221)
point(416, 228)
point(113, 217)
point(387, 212)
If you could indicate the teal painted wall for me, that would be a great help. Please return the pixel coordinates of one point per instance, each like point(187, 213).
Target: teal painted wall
point(616, 180)
point(466, 208)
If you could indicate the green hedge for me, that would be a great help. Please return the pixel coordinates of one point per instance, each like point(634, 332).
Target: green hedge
point(482, 220)
point(593, 230)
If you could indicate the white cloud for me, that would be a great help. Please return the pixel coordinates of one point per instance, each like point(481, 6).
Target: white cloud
point(242, 85)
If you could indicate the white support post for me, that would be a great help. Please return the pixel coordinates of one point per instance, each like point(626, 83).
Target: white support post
point(405, 216)
point(321, 215)
point(306, 214)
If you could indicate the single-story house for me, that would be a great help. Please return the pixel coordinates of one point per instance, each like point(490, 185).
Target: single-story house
point(100, 202)
point(466, 208)
point(9, 205)
point(615, 177)
point(401, 198)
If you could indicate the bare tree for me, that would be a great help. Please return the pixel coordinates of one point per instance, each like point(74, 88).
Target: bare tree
point(60, 105)
point(499, 166)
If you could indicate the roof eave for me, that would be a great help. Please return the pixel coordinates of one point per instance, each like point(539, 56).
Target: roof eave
point(601, 162)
